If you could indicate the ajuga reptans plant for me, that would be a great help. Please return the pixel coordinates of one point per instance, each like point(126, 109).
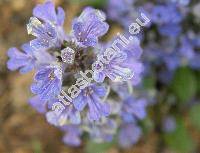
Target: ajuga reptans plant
point(57, 58)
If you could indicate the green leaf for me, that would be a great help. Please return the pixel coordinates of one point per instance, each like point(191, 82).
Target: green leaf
point(147, 125)
point(180, 140)
point(184, 84)
point(92, 147)
point(198, 81)
point(94, 3)
point(194, 115)
point(36, 146)
point(149, 82)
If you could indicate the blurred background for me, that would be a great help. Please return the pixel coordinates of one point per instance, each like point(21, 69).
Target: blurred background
point(23, 130)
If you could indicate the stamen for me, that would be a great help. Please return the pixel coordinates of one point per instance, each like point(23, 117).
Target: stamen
point(68, 55)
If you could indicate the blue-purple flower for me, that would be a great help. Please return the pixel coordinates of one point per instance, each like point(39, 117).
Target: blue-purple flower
point(45, 33)
point(72, 135)
point(47, 13)
point(134, 52)
point(133, 109)
point(89, 26)
point(114, 70)
point(129, 135)
point(102, 131)
point(91, 96)
point(187, 48)
point(118, 9)
point(123, 66)
point(38, 104)
point(25, 61)
point(163, 14)
point(49, 33)
point(68, 116)
point(167, 17)
point(48, 82)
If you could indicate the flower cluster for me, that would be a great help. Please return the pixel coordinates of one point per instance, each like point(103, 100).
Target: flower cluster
point(58, 58)
point(168, 43)
point(125, 78)
point(171, 52)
